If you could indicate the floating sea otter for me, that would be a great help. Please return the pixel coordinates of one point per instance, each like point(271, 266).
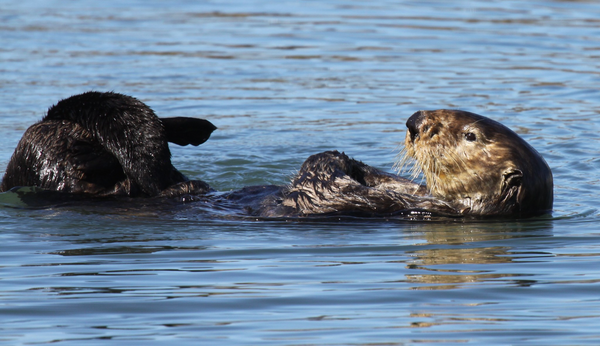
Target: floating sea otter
point(472, 165)
point(112, 144)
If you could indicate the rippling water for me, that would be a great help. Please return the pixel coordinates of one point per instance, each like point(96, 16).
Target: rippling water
point(284, 80)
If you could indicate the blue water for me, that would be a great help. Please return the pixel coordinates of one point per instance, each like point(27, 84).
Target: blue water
point(284, 80)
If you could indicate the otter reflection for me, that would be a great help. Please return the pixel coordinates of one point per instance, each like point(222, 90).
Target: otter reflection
point(109, 144)
point(451, 256)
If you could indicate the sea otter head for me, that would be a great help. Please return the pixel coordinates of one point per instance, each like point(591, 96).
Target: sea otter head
point(477, 164)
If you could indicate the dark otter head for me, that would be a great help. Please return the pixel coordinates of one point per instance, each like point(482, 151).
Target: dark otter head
point(477, 164)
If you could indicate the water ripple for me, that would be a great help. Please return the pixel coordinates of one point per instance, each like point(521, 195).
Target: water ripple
point(281, 83)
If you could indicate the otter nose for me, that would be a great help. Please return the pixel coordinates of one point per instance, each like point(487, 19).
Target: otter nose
point(413, 123)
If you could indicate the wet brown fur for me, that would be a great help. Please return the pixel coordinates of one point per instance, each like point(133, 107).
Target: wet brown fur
point(103, 144)
point(472, 165)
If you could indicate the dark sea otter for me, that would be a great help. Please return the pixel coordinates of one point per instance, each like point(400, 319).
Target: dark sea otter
point(104, 144)
point(472, 165)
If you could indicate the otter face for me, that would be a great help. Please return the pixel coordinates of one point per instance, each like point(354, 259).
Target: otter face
point(478, 164)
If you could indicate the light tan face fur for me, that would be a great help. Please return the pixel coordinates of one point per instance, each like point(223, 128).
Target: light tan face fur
point(472, 161)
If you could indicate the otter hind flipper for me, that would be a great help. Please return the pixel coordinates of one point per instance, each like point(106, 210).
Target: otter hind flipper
point(102, 143)
point(127, 129)
point(183, 131)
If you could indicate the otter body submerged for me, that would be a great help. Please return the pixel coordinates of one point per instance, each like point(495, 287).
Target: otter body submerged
point(105, 144)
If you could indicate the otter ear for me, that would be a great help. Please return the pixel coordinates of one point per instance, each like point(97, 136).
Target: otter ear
point(184, 131)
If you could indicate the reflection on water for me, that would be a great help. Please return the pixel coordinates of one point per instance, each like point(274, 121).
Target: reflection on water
point(449, 257)
point(281, 83)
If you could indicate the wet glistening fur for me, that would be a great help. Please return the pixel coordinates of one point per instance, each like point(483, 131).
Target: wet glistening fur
point(108, 144)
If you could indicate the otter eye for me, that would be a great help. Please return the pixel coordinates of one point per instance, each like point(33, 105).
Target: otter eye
point(470, 136)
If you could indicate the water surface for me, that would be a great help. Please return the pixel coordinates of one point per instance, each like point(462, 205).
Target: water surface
point(284, 80)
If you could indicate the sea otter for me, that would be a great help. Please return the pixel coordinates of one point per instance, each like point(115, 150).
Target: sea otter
point(106, 144)
point(102, 144)
point(472, 166)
